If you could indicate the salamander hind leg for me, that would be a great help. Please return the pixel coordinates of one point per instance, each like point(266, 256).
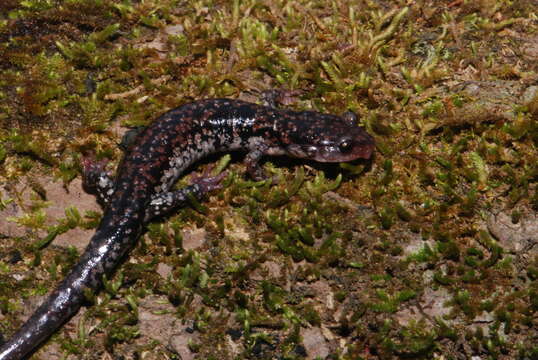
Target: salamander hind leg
point(96, 180)
point(164, 203)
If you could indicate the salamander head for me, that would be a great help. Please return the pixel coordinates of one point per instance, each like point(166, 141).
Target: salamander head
point(326, 138)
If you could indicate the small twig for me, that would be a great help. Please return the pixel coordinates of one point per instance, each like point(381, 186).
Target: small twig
point(137, 89)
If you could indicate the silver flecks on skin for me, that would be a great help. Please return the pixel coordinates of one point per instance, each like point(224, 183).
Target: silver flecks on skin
point(160, 154)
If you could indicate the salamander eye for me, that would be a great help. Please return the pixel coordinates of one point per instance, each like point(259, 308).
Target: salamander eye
point(345, 146)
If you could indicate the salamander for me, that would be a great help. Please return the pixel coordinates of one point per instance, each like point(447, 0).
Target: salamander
point(142, 191)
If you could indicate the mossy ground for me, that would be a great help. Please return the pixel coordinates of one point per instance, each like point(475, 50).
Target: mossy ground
point(430, 251)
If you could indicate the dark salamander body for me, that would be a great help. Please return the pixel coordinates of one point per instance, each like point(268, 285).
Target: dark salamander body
point(141, 190)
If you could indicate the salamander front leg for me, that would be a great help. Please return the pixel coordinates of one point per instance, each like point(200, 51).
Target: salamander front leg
point(96, 180)
point(164, 203)
point(252, 161)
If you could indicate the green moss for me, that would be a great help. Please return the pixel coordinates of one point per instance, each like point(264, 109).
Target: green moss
point(423, 255)
point(390, 303)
